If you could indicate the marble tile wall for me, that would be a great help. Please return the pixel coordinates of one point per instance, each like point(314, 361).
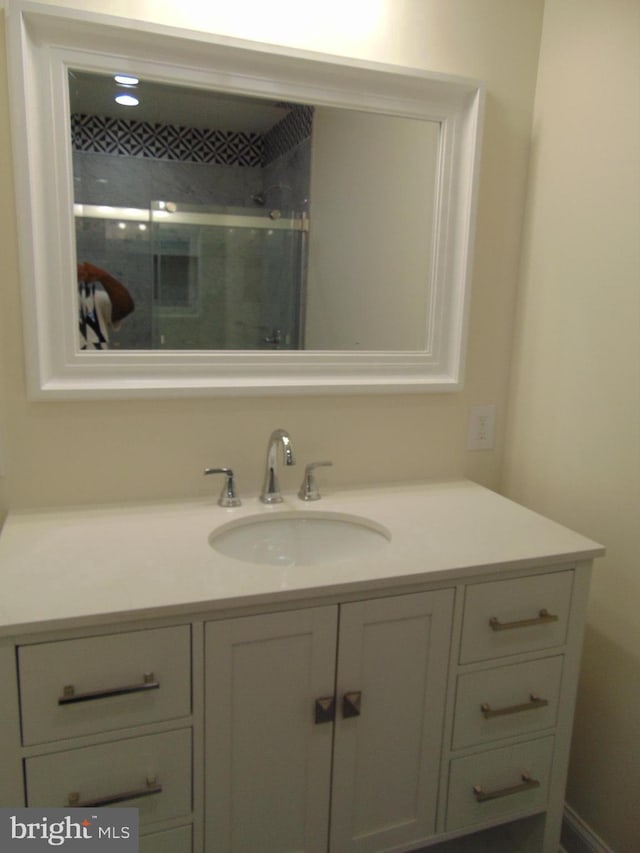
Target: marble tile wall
point(242, 289)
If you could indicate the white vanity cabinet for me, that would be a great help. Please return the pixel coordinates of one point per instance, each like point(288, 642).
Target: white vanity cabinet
point(418, 698)
point(332, 710)
point(393, 723)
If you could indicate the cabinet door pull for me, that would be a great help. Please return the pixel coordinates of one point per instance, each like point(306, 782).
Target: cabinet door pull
point(351, 703)
point(534, 702)
point(542, 618)
point(325, 709)
point(152, 787)
point(527, 783)
point(69, 696)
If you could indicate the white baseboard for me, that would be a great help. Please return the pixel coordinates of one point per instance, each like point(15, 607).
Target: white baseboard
point(577, 835)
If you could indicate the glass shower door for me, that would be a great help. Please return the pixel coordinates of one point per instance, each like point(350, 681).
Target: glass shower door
point(226, 278)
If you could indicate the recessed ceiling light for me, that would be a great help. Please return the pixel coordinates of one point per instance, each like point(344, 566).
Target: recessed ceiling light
point(126, 80)
point(127, 100)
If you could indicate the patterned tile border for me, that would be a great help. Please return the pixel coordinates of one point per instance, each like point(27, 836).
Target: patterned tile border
point(98, 135)
point(288, 133)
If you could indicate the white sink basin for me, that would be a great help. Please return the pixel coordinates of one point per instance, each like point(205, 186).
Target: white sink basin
point(299, 538)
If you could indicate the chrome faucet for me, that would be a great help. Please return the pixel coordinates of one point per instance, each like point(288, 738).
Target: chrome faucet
point(271, 489)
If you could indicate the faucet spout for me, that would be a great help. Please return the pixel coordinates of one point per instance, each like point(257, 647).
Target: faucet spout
point(271, 488)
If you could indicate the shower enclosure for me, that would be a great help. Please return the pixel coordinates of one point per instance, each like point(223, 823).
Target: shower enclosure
point(227, 278)
point(203, 277)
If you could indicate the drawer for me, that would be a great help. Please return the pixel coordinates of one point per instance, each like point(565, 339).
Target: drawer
point(171, 841)
point(150, 773)
point(513, 616)
point(500, 782)
point(107, 675)
point(506, 701)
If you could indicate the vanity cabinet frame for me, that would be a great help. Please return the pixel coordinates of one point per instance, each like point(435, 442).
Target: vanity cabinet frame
point(536, 827)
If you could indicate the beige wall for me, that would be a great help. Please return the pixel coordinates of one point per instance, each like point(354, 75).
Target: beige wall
point(62, 453)
point(360, 294)
point(574, 425)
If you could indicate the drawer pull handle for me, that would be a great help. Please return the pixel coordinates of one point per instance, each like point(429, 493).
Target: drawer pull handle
point(152, 787)
point(325, 710)
point(527, 784)
point(543, 618)
point(534, 702)
point(69, 695)
point(351, 704)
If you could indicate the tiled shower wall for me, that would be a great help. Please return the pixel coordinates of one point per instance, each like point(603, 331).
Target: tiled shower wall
point(131, 164)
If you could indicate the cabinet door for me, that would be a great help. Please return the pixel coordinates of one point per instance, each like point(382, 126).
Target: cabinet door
point(395, 653)
point(268, 763)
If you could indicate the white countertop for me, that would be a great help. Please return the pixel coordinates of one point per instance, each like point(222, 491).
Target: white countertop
point(80, 566)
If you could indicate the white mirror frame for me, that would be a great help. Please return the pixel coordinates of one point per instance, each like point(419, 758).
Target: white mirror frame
point(45, 41)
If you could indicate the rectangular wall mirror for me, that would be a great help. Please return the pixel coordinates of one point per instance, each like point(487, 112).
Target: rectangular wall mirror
point(284, 221)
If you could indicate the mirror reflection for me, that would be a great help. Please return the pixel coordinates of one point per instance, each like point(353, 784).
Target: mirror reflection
point(237, 223)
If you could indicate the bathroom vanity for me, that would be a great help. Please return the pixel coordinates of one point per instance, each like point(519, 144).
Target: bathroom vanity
point(417, 693)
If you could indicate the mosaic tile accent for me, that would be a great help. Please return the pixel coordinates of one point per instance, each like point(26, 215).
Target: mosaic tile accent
point(288, 132)
point(99, 135)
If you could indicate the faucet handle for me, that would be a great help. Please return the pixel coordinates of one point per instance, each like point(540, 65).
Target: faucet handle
point(228, 496)
point(309, 489)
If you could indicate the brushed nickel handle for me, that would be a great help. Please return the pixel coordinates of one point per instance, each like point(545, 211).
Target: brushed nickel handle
point(527, 784)
point(325, 709)
point(542, 618)
point(534, 702)
point(69, 695)
point(152, 786)
point(351, 704)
